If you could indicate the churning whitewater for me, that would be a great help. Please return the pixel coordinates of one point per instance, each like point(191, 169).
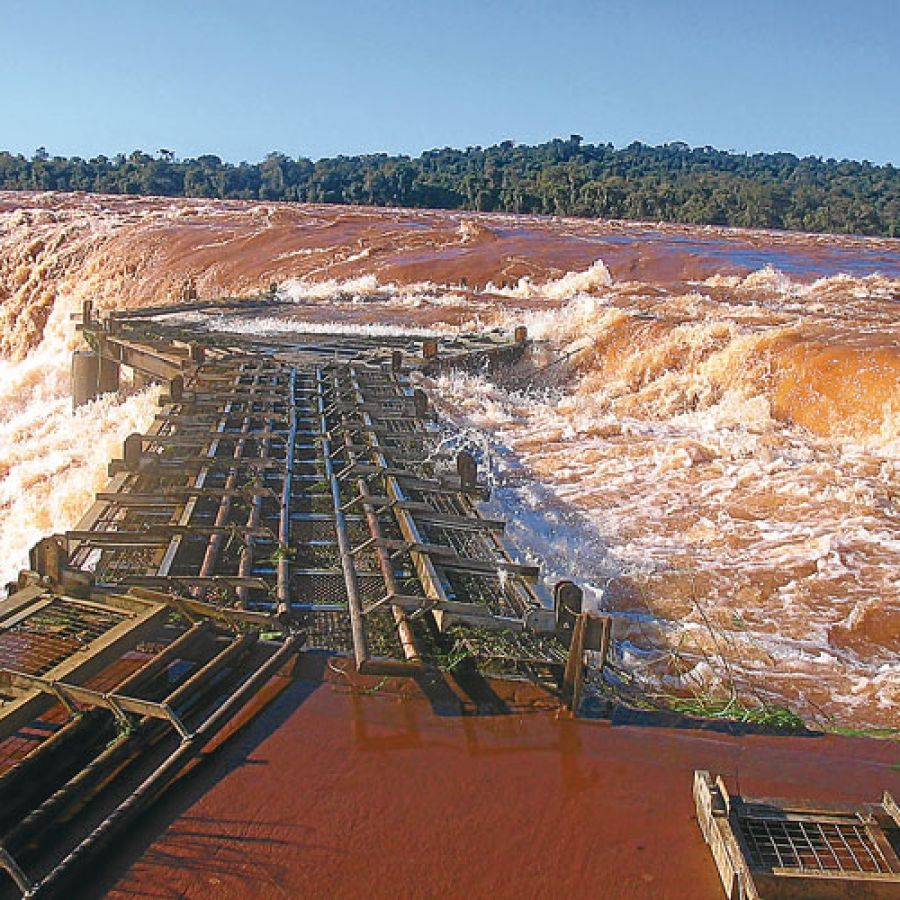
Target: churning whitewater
point(712, 451)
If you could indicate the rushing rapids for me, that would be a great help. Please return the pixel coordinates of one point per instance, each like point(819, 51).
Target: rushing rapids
point(713, 449)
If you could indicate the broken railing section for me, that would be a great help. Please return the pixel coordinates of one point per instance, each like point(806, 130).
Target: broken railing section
point(413, 545)
point(97, 370)
point(145, 342)
point(766, 847)
point(105, 698)
point(583, 632)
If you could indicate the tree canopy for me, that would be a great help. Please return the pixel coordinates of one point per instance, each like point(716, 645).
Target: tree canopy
point(672, 182)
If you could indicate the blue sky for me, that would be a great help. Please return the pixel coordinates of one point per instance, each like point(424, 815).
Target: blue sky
point(320, 78)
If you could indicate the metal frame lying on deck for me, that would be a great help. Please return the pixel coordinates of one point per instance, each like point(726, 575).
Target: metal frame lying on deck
point(104, 697)
point(782, 848)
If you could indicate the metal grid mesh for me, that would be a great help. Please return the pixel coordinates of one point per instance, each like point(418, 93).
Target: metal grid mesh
point(465, 542)
point(328, 631)
point(402, 428)
point(116, 566)
point(313, 503)
point(371, 587)
point(322, 587)
point(812, 846)
point(489, 590)
point(309, 530)
point(510, 646)
point(53, 633)
point(381, 633)
point(318, 555)
point(366, 561)
point(394, 404)
point(374, 391)
point(442, 502)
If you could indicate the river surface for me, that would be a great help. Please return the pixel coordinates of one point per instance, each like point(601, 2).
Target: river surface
point(713, 449)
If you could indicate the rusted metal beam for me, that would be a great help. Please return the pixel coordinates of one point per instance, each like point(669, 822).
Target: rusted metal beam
point(283, 583)
point(354, 604)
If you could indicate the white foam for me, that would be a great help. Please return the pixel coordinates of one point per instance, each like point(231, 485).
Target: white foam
point(268, 325)
point(53, 461)
point(566, 287)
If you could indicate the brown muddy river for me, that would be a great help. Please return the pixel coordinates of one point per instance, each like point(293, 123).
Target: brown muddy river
point(714, 454)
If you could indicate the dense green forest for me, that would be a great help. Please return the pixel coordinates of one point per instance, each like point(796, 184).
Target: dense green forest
point(673, 182)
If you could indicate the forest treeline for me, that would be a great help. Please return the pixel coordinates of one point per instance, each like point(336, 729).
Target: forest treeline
point(673, 182)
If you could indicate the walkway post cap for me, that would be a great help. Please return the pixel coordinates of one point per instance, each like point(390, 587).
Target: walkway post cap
point(420, 399)
point(467, 468)
point(568, 599)
point(176, 389)
point(47, 559)
point(132, 451)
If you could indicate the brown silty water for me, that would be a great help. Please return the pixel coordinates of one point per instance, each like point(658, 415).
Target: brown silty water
point(714, 456)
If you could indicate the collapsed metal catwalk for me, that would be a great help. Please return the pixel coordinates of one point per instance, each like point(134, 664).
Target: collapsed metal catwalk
point(294, 491)
point(306, 478)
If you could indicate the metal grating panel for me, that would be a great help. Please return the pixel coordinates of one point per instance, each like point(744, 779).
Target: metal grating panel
point(52, 634)
point(321, 588)
point(766, 847)
point(328, 631)
point(812, 846)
